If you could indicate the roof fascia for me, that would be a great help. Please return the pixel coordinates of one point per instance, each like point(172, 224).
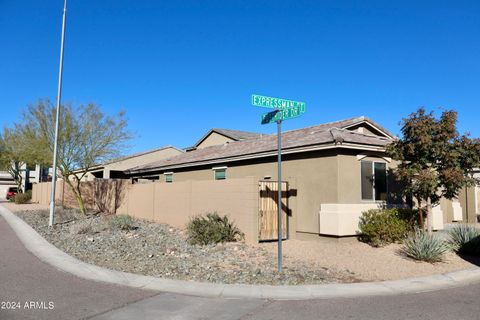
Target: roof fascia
point(362, 147)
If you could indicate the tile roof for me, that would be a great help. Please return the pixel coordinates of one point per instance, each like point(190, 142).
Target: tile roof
point(237, 134)
point(329, 133)
point(134, 155)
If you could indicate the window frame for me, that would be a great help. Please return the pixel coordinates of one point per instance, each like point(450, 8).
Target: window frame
point(373, 200)
point(168, 174)
point(215, 169)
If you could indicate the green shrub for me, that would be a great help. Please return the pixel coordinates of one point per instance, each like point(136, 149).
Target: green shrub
point(211, 229)
point(425, 247)
point(383, 226)
point(122, 222)
point(465, 239)
point(22, 198)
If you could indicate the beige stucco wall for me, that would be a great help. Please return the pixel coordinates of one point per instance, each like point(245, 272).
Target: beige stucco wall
point(214, 139)
point(314, 178)
point(318, 178)
point(467, 202)
point(41, 192)
point(477, 199)
point(105, 196)
point(176, 203)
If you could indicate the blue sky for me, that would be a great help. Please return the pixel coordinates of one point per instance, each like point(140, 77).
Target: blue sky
point(181, 67)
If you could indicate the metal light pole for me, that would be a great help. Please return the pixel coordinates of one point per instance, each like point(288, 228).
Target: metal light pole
point(51, 219)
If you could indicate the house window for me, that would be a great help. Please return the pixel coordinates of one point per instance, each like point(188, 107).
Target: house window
point(220, 173)
point(168, 177)
point(374, 181)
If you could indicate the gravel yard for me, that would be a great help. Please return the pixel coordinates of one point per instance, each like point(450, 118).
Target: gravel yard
point(160, 250)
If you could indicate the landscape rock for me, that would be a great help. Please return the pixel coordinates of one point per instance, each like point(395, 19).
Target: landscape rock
point(162, 250)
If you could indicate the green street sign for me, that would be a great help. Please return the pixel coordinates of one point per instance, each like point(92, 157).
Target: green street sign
point(283, 114)
point(275, 103)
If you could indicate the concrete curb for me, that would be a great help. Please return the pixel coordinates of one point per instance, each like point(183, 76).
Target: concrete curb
point(62, 261)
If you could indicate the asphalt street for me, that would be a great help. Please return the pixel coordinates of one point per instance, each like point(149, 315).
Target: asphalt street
point(31, 289)
point(452, 304)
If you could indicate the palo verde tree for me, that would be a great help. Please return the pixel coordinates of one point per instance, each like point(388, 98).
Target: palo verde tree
point(87, 137)
point(435, 160)
point(12, 155)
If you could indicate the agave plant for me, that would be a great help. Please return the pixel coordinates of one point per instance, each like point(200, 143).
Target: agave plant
point(424, 246)
point(465, 238)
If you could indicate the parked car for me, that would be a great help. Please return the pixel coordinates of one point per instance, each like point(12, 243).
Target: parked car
point(11, 192)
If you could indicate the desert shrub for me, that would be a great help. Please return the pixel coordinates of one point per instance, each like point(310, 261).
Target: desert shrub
point(122, 222)
point(383, 226)
point(424, 246)
point(212, 228)
point(22, 198)
point(465, 239)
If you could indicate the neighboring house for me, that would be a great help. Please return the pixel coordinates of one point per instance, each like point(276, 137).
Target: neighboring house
point(6, 181)
point(30, 175)
point(330, 167)
point(114, 169)
point(220, 136)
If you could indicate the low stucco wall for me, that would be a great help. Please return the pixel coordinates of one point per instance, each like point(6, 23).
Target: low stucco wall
point(175, 203)
point(337, 219)
point(101, 195)
point(171, 203)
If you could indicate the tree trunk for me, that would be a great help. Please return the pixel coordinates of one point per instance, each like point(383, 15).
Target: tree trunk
point(78, 195)
point(81, 204)
point(16, 173)
point(429, 215)
point(421, 219)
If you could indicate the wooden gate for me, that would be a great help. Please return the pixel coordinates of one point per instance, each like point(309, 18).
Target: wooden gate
point(267, 217)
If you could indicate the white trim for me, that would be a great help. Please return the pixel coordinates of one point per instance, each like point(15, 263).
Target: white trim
point(388, 159)
point(373, 200)
point(220, 168)
point(361, 156)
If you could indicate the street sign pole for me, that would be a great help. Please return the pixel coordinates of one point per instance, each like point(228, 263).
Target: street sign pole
point(279, 202)
point(283, 110)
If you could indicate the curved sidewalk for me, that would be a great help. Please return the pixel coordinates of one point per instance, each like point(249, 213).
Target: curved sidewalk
point(59, 259)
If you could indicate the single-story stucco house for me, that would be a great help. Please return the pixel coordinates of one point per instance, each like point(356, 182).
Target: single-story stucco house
point(114, 169)
point(334, 172)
